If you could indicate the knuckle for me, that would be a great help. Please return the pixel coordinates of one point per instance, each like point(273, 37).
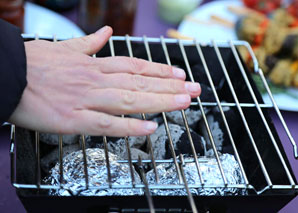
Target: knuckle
point(86, 43)
point(66, 44)
point(87, 61)
point(140, 82)
point(137, 65)
point(85, 39)
point(163, 102)
point(128, 97)
point(103, 121)
point(173, 85)
point(130, 127)
point(165, 71)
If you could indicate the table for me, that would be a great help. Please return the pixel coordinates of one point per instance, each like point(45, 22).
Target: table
point(146, 23)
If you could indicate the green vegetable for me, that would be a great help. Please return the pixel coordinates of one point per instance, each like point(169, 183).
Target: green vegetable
point(275, 89)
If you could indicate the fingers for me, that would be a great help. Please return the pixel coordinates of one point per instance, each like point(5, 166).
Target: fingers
point(149, 84)
point(121, 64)
point(89, 44)
point(97, 123)
point(115, 101)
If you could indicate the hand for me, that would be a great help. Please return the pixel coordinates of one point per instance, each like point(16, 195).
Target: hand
point(69, 92)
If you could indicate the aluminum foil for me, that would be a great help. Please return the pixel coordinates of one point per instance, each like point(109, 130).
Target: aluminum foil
point(210, 174)
point(74, 176)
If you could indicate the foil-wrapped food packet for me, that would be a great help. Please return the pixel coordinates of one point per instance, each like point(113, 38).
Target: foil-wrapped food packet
point(211, 176)
point(74, 175)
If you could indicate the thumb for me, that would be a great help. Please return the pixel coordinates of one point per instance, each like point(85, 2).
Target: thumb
point(89, 44)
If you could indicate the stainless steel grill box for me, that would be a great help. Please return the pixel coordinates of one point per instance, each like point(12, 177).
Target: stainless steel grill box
point(268, 179)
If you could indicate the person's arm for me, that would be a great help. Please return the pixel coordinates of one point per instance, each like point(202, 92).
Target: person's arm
point(12, 69)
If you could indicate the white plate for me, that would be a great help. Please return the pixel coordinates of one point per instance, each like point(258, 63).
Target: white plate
point(204, 33)
point(45, 22)
point(285, 101)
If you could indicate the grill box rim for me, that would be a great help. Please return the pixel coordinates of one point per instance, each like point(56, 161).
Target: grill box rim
point(216, 201)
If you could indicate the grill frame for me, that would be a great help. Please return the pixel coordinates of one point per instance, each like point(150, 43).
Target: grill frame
point(206, 201)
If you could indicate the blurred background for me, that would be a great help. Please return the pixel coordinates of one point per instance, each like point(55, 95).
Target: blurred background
point(270, 26)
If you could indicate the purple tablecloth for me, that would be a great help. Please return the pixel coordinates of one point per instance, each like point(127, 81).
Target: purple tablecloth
point(146, 23)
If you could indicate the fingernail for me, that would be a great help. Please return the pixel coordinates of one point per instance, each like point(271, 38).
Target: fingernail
point(101, 30)
point(179, 73)
point(192, 87)
point(182, 99)
point(150, 126)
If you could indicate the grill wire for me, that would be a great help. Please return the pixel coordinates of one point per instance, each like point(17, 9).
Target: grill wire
point(179, 161)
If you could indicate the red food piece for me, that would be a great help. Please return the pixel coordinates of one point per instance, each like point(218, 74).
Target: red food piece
point(260, 37)
point(250, 3)
point(263, 6)
point(293, 8)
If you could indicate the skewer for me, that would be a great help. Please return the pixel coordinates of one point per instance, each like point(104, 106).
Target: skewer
point(147, 191)
point(189, 195)
point(85, 161)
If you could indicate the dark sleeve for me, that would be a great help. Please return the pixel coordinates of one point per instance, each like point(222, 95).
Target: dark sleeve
point(12, 69)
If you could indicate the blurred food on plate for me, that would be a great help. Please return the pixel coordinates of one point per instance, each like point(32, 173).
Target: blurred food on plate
point(263, 6)
point(274, 39)
point(268, 6)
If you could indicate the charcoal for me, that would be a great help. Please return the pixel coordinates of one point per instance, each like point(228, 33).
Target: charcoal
point(149, 116)
point(209, 153)
point(193, 115)
point(116, 147)
point(206, 94)
point(160, 142)
point(218, 129)
point(119, 148)
point(135, 153)
point(53, 139)
point(200, 76)
point(136, 142)
point(159, 120)
point(74, 175)
point(49, 160)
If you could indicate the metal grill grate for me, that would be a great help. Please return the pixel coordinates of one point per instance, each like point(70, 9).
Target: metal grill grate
point(179, 161)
